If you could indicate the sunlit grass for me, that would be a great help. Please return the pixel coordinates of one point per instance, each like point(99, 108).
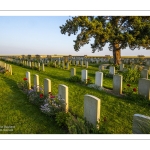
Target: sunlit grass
point(27, 118)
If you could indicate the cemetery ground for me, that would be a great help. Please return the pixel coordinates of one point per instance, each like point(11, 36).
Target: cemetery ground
point(116, 114)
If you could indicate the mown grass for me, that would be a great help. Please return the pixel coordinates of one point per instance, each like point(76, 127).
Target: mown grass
point(27, 118)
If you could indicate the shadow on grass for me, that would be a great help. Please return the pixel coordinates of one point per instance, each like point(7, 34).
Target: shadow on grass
point(30, 111)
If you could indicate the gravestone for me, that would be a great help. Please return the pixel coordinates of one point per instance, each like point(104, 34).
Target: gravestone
point(63, 94)
point(43, 69)
point(55, 64)
point(112, 70)
point(117, 84)
point(141, 124)
point(63, 64)
point(86, 64)
point(67, 66)
point(144, 87)
point(144, 73)
point(84, 75)
point(101, 67)
point(92, 109)
point(39, 66)
point(121, 67)
point(99, 78)
point(36, 82)
point(10, 69)
point(30, 64)
point(47, 86)
point(73, 62)
point(77, 63)
point(29, 79)
point(73, 71)
point(81, 62)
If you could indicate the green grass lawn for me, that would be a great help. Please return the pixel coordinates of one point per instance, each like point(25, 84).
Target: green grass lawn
point(27, 118)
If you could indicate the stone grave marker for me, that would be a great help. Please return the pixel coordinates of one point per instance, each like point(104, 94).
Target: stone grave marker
point(92, 109)
point(117, 84)
point(29, 79)
point(47, 86)
point(36, 82)
point(144, 73)
point(99, 78)
point(112, 70)
point(84, 75)
point(141, 124)
point(73, 71)
point(63, 93)
point(144, 87)
point(43, 69)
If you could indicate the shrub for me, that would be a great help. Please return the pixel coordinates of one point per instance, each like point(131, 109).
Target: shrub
point(74, 79)
point(75, 125)
point(131, 75)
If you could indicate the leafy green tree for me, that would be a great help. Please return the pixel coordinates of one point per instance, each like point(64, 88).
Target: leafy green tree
point(119, 32)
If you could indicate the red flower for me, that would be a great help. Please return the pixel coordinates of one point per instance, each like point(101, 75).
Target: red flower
point(41, 95)
point(25, 79)
point(134, 90)
point(128, 85)
point(52, 96)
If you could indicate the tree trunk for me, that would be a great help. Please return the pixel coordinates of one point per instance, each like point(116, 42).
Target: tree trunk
point(116, 54)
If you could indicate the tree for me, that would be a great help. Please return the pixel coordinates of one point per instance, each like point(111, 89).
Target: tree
point(119, 32)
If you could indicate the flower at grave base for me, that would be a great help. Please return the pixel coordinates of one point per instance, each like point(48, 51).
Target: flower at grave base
point(52, 96)
point(134, 90)
point(128, 85)
point(25, 79)
point(41, 95)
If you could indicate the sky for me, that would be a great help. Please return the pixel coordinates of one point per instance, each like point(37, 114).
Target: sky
point(33, 35)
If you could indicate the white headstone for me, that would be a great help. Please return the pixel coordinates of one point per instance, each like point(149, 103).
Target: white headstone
point(63, 93)
point(36, 82)
point(84, 75)
point(67, 66)
point(144, 73)
point(38, 66)
point(117, 84)
point(144, 87)
point(43, 69)
point(47, 86)
point(10, 69)
point(112, 70)
point(121, 67)
point(29, 79)
point(92, 109)
point(99, 78)
point(73, 71)
point(141, 124)
point(86, 64)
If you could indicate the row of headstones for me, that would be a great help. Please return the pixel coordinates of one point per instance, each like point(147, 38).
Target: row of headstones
point(56, 63)
point(92, 106)
point(144, 72)
point(93, 60)
point(73, 62)
point(27, 63)
point(91, 103)
point(143, 84)
point(7, 67)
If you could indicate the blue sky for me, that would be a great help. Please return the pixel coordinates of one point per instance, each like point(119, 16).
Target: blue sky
point(41, 35)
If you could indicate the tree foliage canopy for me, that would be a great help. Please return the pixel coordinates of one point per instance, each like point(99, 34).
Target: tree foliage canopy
point(125, 31)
